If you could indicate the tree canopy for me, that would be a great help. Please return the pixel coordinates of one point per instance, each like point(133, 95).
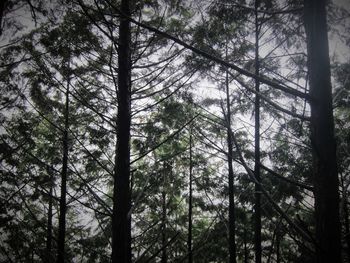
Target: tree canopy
point(174, 131)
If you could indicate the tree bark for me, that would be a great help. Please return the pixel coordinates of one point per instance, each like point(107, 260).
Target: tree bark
point(278, 240)
point(121, 219)
point(64, 173)
point(325, 174)
point(257, 204)
point(189, 237)
point(164, 239)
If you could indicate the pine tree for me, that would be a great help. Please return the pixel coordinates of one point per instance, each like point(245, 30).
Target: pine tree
point(325, 174)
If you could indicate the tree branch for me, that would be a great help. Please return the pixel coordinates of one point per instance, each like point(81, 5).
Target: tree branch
point(247, 73)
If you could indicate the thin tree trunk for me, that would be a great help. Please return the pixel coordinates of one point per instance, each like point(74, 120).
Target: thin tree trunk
point(325, 174)
point(278, 240)
point(3, 5)
point(231, 211)
point(189, 238)
point(164, 239)
point(121, 220)
point(49, 221)
point(346, 216)
point(257, 204)
point(64, 173)
point(347, 228)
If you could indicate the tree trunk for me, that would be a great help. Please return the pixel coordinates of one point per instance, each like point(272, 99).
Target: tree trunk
point(278, 240)
point(164, 239)
point(121, 220)
point(347, 228)
point(257, 205)
point(231, 211)
point(48, 257)
point(3, 5)
point(346, 216)
point(189, 238)
point(325, 174)
point(64, 173)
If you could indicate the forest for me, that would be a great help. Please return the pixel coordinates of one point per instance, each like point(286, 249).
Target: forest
point(175, 131)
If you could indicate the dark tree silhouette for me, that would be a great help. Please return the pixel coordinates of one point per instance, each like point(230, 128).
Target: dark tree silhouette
point(325, 176)
point(121, 221)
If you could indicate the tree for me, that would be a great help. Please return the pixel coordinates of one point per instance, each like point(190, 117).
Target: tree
point(190, 199)
point(257, 160)
point(341, 118)
point(325, 174)
point(121, 220)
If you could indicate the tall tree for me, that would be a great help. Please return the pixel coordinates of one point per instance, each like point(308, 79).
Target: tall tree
point(190, 200)
point(121, 220)
point(257, 201)
point(325, 175)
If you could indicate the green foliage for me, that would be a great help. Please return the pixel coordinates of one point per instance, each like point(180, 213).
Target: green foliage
point(75, 51)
